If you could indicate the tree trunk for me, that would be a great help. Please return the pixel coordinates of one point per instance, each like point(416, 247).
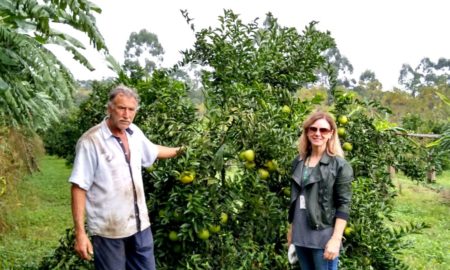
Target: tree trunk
point(431, 175)
point(391, 170)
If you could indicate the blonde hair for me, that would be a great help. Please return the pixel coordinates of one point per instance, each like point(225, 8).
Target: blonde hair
point(333, 147)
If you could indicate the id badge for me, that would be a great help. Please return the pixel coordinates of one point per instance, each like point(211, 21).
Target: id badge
point(302, 202)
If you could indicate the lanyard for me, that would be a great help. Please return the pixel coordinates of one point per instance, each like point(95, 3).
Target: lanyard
point(306, 171)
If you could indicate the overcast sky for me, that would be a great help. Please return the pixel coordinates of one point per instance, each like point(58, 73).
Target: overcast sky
point(379, 35)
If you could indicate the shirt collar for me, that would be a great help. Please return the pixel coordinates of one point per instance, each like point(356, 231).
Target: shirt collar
point(107, 132)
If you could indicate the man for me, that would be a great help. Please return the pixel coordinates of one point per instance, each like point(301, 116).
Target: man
point(107, 183)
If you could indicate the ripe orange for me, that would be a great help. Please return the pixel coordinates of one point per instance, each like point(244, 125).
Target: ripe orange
point(187, 177)
point(248, 155)
point(347, 146)
point(286, 109)
point(214, 228)
point(203, 234)
point(343, 119)
point(173, 236)
point(263, 173)
point(341, 131)
point(223, 217)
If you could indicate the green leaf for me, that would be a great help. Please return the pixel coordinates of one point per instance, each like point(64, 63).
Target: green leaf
point(218, 158)
point(445, 99)
point(3, 85)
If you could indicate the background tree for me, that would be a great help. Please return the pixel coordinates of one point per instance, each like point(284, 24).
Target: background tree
point(368, 85)
point(34, 84)
point(143, 53)
point(35, 87)
point(343, 67)
point(427, 73)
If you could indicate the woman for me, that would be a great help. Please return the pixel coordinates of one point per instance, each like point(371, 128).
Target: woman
point(320, 194)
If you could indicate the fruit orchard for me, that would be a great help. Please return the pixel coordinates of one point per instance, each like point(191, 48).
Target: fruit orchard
point(223, 203)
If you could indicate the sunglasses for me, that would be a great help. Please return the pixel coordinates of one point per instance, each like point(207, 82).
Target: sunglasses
point(321, 130)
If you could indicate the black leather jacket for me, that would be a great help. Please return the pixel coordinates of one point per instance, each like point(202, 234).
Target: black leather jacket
point(327, 193)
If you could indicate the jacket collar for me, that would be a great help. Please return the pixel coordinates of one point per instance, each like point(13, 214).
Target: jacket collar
point(325, 158)
point(316, 174)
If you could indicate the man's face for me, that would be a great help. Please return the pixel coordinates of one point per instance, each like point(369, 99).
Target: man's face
point(122, 112)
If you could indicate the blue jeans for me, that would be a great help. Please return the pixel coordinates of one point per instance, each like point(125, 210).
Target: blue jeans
point(130, 253)
point(312, 259)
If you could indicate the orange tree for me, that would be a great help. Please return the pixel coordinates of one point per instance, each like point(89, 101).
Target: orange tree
point(370, 243)
point(231, 212)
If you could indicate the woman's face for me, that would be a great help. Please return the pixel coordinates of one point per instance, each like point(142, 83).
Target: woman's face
point(319, 133)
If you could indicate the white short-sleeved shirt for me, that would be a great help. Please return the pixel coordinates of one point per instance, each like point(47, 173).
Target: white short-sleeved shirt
point(101, 169)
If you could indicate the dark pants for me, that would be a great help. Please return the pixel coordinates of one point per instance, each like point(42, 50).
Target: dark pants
point(312, 259)
point(131, 253)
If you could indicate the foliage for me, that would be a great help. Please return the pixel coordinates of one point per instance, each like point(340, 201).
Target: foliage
point(64, 257)
point(273, 55)
point(439, 150)
point(372, 245)
point(427, 73)
point(225, 185)
point(64, 134)
point(34, 84)
point(20, 150)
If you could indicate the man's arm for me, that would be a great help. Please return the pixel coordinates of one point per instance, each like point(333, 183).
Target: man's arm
point(168, 152)
point(83, 245)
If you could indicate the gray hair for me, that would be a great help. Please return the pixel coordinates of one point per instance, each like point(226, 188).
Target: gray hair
point(126, 91)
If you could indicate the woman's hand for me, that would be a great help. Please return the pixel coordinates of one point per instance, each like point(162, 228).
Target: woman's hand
point(289, 235)
point(334, 244)
point(332, 249)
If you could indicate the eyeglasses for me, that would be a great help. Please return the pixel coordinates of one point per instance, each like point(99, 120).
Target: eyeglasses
point(322, 131)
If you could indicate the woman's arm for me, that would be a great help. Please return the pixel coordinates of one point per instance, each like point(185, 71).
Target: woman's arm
point(334, 244)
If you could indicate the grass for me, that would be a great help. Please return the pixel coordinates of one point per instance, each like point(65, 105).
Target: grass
point(429, 203)
point(38, 214)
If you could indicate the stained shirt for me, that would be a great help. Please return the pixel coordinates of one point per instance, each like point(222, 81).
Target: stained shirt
point(115, 198)
point(302, 234)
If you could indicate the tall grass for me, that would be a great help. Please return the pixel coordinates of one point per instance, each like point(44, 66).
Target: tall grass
point(429, 203)
point(19, 151)
point(38, 212)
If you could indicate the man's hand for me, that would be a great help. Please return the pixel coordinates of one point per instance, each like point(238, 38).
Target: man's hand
point(83, 246)
point(181, 150)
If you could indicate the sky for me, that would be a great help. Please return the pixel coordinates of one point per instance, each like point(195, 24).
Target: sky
point(376, 35)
